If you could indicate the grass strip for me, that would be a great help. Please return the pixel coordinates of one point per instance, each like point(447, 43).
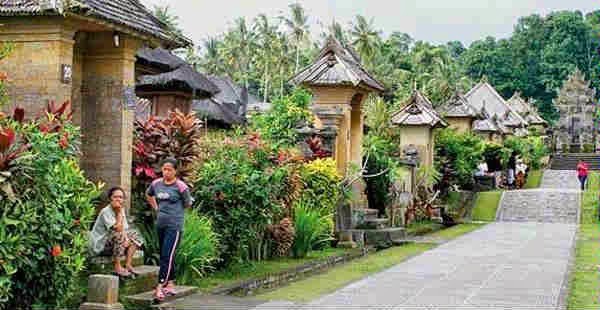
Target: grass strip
point(584, 284)
point(251, 270)
point(534, 179)
point(311, 288)
point(486, 205)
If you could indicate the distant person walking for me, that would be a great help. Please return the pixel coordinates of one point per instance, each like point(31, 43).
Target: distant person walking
point(512, 166)
point(582, 173)
point(169, 196)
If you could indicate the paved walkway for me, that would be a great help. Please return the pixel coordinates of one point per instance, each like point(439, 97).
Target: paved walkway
point(519, 262)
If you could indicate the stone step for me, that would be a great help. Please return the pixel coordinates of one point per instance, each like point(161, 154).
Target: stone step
point(145, 280)
point(209, 301)
point(377, 236)
point(376, 223)
point(104, 264)
point(146, 299)
point(369, 214)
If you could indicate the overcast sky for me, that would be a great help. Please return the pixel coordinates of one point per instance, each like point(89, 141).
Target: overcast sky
point(436, 21)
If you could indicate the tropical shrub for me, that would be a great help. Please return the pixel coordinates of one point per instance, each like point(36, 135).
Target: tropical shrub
point(312, 230)
point(287, 114)
point(197, 253)
point(244, 187)
point(462, 152)
point(381, 159)
point(43, 231)
point(155, 139)
point(321, 190)
point(531, 149)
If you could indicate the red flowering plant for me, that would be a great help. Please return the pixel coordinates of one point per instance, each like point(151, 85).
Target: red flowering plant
point(47, 212)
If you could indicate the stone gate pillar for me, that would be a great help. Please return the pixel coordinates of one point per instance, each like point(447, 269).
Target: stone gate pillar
point(340, 85)
point(108, 103)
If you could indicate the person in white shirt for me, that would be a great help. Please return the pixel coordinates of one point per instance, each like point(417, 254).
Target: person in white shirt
point(111, 235)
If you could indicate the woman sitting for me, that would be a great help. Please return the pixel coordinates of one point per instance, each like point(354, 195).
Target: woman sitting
point(111, 235)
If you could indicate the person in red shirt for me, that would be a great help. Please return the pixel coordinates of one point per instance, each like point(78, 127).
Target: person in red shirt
point(582, 173)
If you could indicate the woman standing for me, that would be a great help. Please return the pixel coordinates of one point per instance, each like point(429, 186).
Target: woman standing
point(168, 195)
point(111, 235)
point(582, 173)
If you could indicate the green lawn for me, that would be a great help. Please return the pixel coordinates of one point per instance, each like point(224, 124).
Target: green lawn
point(585, 277)
point(486, 205)
point(338, 277)
point(455, 231)
point(422, 227)
point(251, 270)
point(534, 179)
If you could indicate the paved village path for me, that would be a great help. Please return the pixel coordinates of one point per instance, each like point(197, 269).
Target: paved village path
point(518, 262)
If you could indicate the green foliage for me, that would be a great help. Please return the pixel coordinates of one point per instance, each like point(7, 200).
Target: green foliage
point(43, 235)
point(531, 149)
point(588, 148)
point(241, 187)
point(288, 112)
point(197, 254)
point(381, 160)
point(462, 152)
point(321, 189)
point(312, 229)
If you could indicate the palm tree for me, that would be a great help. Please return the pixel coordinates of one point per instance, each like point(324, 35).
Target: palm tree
point(266, 34)
point(211, 60)
point(236, 50)
point(365, 38)
point(297, 23)
point(164, 14)
point(338, 32)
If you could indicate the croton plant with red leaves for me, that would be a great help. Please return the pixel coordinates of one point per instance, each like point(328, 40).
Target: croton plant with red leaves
point(156, 139)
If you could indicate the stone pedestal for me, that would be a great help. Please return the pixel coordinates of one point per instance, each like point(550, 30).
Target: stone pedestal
point(103, 293)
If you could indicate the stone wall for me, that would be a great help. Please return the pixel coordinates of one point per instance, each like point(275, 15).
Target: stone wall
point(461, 124)
point(421, 137)
point(34, 66)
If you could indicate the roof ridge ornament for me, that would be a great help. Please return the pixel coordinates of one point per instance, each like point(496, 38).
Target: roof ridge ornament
point(414, 109)
point(331, 60)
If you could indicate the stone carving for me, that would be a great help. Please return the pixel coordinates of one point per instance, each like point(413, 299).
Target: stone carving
point(575, 102)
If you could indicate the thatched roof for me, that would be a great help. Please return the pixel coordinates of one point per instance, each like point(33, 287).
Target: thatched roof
point(457, 106)
point(229, 105)
point(159, 58)
point(337, 65)
point(184, 77)
point(418, 112)
point(212, 110)
point(128, 13)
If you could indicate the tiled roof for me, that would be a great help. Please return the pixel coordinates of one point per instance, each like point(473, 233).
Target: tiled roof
point(483, 94)
point(129, 13)
point(457, 106)
point(526, 110)
point(485, 125)
point(418, 113)
point(337, 65)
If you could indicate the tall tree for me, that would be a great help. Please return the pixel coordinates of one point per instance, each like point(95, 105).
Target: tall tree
point(297, 24)
point(211, 61)
point(365, 38)
point(266, 34)
point(166, 16)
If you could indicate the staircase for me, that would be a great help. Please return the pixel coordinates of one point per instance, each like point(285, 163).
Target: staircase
point(137, 292)
point(569, 161)
point(375, 231)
